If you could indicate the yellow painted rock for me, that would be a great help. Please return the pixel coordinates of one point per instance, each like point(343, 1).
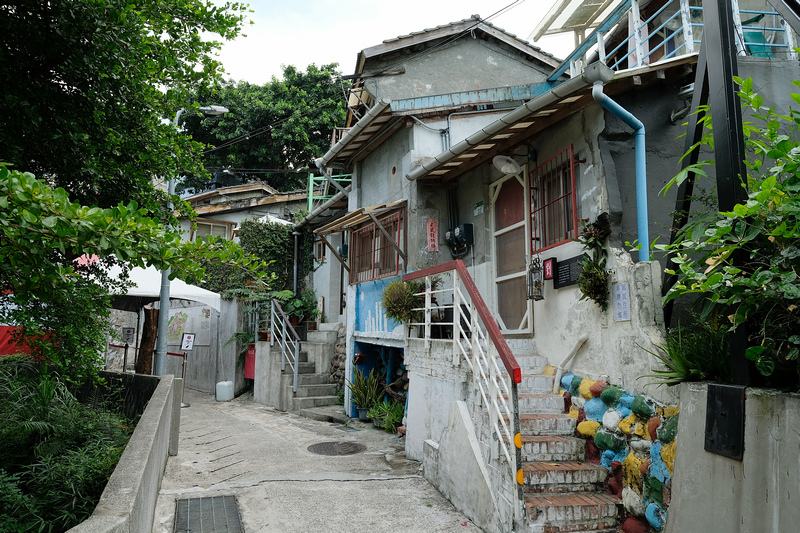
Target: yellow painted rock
point(631, 472)
point(668, 412)
point(641, 431)
point(549, 370)
point(573, 413)
point(668, 455)
point(627, 424)
point(584, 388)
point(588, 428)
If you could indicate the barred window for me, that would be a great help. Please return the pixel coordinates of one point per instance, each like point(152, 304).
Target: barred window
point(372, 255)
point(553, 203)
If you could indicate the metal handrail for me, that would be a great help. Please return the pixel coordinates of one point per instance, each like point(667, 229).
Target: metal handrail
point(287, 338)
point(477, 340)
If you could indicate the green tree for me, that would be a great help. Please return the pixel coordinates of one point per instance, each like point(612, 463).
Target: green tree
point(62, 305)
point(271, 129)
point(87, 84)
point(764, 293)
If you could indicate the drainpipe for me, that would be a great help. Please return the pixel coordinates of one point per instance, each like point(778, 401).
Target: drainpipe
point(641, 168)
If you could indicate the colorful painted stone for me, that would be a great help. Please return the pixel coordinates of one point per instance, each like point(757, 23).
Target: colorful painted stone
point(585, 388)
point(611, 419)
point(653, 490)
point(597, 388)
point(626, 400)
point(640, 445)
point(668, 455)
point(595, 409)
point(567, 402)
point(613, 483)
point(606, 440)
point(631, 473)
point(577, 402)
point(633, 502)
point(658, 469)
point(574, 387)
point(592, 452)
point(611, 396)
point(668, 430)
point(633, 524)
point(626, 424)
point(642, 407)
point(656, 516)
point(566, 380)
point(652, 425)
point(588, 428)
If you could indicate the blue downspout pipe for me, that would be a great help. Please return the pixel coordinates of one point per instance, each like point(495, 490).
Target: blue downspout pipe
point(640, 162)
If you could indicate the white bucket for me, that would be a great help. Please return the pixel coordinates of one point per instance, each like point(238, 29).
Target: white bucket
point(224, 391)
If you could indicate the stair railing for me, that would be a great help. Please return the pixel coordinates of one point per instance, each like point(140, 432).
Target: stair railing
point(287, 338)
point(477, 340)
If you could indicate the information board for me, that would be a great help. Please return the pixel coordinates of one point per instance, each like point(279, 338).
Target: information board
point(567, 272)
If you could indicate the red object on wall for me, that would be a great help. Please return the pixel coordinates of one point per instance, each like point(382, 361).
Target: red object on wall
point(7, 345)
point(250, 362)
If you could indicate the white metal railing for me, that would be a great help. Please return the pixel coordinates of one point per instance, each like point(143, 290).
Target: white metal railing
point(673, 30)
point(455, 312)
point(283, 334)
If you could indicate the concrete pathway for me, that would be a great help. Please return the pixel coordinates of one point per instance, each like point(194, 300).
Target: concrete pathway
point(260, 455)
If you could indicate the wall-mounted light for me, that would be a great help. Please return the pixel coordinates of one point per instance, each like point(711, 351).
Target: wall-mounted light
point(535, 280)
point(506, 165)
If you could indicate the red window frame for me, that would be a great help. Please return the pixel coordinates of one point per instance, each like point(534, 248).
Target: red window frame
point(372, 256)
point(554, 209)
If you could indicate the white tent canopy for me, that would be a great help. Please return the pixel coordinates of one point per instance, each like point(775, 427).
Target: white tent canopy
point(147, 287)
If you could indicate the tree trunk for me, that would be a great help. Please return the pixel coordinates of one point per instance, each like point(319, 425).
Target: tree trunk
point(144, 365)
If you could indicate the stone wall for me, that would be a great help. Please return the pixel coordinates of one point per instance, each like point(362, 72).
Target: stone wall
point(339, 358)
point(634, 438)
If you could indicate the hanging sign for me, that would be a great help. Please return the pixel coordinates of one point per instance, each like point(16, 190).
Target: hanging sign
point(549, 268)
point(187, 341)
point(433, 236)
point(567, 272)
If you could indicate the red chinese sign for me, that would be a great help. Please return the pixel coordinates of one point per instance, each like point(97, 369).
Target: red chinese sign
point(433, 236)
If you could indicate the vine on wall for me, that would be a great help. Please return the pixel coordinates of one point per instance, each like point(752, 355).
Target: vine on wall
point(593, 281)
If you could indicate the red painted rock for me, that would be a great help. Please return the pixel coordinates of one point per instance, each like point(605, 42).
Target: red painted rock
point(581, 418)
point(597, 388)
point(645, 468)
point(633, 524)
point(593, 453)
point(567, 402)
point(614, 480)
point(652, 426)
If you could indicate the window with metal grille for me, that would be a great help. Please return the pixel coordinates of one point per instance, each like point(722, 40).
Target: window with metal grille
point(372, 255)
point(553, 203)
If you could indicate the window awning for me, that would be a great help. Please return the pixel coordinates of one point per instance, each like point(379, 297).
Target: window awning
point(356, 218)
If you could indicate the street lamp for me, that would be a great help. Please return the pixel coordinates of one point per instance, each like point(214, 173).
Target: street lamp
point(160, 363)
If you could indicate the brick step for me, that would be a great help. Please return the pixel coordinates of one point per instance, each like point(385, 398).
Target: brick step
point(313, 401)
point(317, 389)
point(537, 383)
point(540, 403)
point(573, 512)
point(546, 424)
point(562, 477)
point(552, 448)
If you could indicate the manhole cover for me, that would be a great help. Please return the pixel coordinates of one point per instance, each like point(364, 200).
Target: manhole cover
point(336, 448)
point(215, 514)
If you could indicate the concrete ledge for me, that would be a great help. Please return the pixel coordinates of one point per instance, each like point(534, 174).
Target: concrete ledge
point(128, 502)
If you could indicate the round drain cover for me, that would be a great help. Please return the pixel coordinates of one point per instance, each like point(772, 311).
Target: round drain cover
point(336, 448)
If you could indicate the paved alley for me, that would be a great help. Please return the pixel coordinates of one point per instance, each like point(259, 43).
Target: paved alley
point(260, 456)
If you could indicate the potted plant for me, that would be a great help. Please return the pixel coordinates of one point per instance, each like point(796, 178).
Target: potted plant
point(293, 306)
point(311, 310)
point(365, 391)
point(401, 301)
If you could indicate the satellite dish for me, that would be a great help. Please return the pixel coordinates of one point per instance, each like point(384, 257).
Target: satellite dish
point(506, 165)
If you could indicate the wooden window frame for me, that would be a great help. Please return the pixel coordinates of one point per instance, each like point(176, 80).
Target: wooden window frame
point(229, 226)
point(372, 256)
point(552, 193)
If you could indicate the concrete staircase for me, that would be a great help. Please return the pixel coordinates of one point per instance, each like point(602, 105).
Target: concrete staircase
point(313, 378)
point(563, 493)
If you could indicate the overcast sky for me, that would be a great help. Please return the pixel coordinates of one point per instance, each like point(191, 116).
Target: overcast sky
point(300, 32)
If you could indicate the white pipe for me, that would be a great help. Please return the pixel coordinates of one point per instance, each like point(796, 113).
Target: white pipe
point(566, 360)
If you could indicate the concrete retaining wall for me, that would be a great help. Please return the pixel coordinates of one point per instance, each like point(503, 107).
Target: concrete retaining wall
point(713, 493)
point(128, 502)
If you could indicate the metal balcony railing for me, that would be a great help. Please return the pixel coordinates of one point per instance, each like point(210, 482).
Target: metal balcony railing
point(321, 190)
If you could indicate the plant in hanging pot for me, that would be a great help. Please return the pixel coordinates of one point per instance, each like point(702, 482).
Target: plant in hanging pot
point(402, 302)
point(365, 391)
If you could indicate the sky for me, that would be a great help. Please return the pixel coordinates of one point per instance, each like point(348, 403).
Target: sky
point(301, 32)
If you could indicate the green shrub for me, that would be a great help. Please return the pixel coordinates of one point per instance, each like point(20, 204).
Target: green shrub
point(388, 414)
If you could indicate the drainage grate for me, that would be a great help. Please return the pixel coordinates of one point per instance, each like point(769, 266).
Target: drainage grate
point(336, 448)
point(215, 514)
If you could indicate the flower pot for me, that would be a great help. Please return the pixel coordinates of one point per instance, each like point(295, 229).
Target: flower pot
point(294, 320)
point(377, 423)
point(264, 335)
point(362, 414)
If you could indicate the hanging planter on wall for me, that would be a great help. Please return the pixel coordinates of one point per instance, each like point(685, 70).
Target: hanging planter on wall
point(593, 280)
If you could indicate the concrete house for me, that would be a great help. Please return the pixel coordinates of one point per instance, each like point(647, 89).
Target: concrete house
point(474, 158)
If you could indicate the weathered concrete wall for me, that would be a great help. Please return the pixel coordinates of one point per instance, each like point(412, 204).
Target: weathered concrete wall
point(713, 493)
point(129, 499)
point(463, 65)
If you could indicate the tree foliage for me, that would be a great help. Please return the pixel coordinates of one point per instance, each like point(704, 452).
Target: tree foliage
point(279, 126)
point(61, 304)
point(87, 84)
point(763, 294)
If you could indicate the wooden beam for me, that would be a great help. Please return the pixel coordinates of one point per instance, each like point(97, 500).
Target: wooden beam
point(389, 237)
point(334, 252)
